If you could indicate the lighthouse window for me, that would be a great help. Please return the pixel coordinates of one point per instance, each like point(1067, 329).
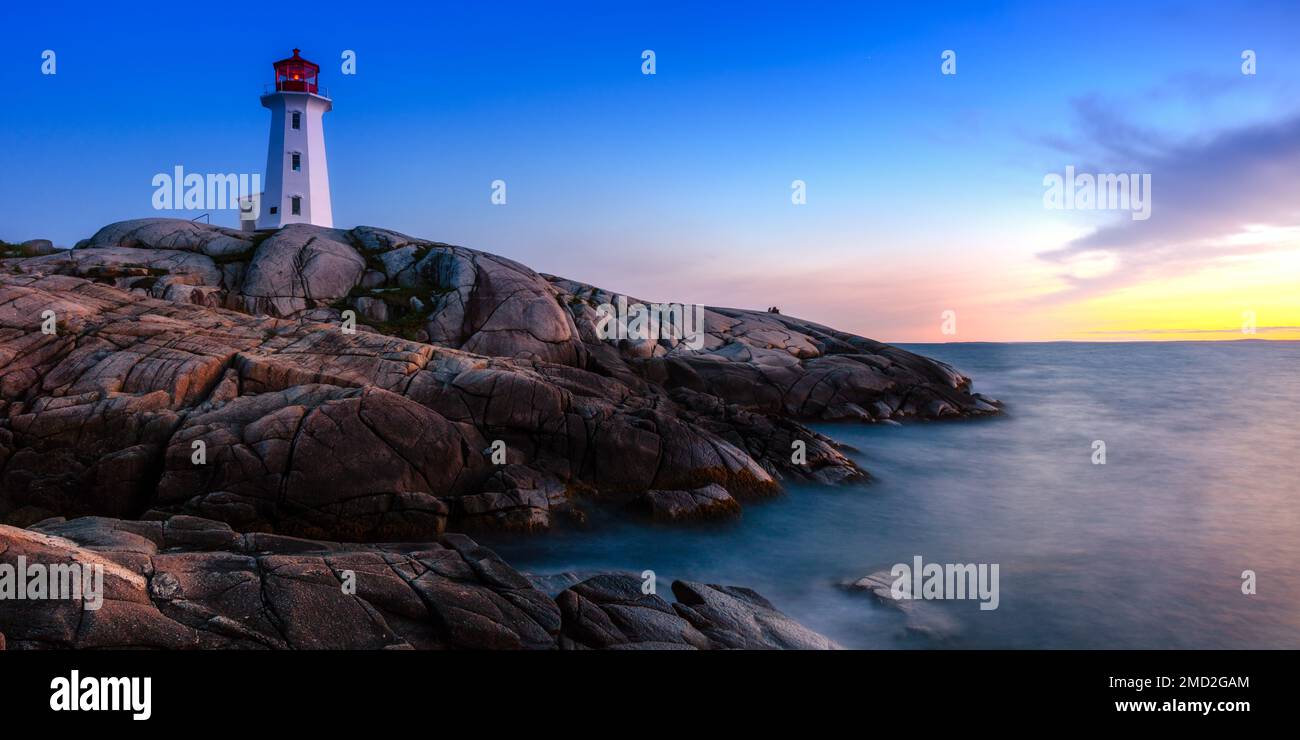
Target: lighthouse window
point(297, 161)
point(297, 119)
point(296, 205)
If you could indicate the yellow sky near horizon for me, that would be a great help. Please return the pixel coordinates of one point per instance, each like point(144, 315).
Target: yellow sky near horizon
point(1217, 304)
point(1024, 298)
point(1002, 290)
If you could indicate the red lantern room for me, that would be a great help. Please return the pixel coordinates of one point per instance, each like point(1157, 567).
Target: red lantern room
point(296, 74)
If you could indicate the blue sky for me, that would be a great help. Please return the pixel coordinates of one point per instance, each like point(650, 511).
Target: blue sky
point(924, 190)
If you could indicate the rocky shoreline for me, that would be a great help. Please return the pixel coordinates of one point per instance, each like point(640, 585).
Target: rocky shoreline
point(200, 379)
point(189, 583)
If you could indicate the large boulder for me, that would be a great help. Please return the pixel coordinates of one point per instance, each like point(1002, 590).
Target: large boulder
point(193, 583)
point(186, 582)
point(126, 267)
point(739, 618)
point(325, 461)
point(522, 413)
point(778, 365)
point(613, 611)
point(171, 234)
point(461, 298)
point(466, 299)
point(300, 267)
point(301, 428)
point(707, 502)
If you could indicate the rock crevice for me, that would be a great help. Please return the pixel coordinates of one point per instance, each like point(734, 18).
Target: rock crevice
point(384, 432)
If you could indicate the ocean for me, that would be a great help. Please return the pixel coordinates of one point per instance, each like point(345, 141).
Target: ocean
point(1199, 485)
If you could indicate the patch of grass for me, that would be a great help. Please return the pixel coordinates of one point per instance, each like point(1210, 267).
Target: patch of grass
point(401, 296)
point(403, 320)
point(406, 326)
point(394, 297)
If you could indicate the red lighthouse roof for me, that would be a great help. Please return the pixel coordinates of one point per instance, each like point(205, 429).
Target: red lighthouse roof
point(296, 74)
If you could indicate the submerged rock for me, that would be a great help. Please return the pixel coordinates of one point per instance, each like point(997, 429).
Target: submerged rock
point(739, 618)
point(613, 612)
point(921, 618)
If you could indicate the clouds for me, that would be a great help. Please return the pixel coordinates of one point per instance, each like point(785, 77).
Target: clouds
point(1230, 194)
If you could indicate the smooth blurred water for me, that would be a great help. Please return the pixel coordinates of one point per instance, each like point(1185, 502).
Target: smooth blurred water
point(1146, 551)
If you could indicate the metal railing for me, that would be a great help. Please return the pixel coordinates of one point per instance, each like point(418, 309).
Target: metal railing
point(271, 87)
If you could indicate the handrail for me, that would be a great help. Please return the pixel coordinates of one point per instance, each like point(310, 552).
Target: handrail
point(271, 87)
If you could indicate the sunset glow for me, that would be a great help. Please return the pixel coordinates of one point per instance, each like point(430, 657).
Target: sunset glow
point(924, 191)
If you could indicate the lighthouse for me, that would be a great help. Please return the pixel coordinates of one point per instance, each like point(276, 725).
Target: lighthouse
point(297, 179)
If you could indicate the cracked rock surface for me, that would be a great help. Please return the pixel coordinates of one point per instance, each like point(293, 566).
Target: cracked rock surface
point(187, 583)
point(366, 386)
point(176, 342)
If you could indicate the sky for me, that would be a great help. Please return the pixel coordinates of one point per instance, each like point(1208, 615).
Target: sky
point(925, 191)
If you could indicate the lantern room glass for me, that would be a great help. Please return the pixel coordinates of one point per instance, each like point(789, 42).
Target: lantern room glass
point(296, 74)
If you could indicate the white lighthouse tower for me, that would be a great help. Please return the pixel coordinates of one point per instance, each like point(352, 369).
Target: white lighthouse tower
point(297, 179)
